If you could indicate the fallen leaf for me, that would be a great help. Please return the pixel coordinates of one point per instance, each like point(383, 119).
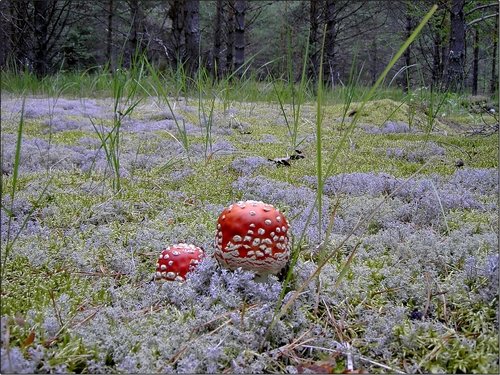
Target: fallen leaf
point(29, 340)
point(317, 368)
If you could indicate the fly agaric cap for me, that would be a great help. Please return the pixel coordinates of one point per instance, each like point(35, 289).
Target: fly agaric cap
point(176, 261)
point(254, 236)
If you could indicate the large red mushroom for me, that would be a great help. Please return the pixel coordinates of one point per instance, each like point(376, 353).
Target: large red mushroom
point(252, 235)
point(176, 261)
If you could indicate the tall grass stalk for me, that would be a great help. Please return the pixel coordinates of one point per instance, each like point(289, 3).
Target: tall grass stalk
point(10, 241)
point(320, 177)
point(15, 172)
point(124, 88)
point(157, 84)
point(435, 103)
point(297, 96)
point(441, 207)
point(205, 117)
point(319, 147)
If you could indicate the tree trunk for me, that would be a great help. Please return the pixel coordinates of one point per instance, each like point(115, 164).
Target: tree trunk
point(216, 66)
point(475, 66)
point(41, 31)
point(456, 56)
point(437, 63)
point(5, 33)
point(230, 37)
point(239, 37)
point(374, 61)
point(407, 82)
point(135, 40)
point(494, 78)
point(109, 36)
point(313, 40)
point(192, 22)
point(329, 52)
point(178, 43)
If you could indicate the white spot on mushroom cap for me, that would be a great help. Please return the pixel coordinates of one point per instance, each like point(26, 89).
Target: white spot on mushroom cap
point(261, 231)
point(250, 232)
point(252, 225)
point(163, 267)
point(252, 213)
point(278, 219)
point(256, 242)
point(170, 275)
point(268, 222)
point(237, 238)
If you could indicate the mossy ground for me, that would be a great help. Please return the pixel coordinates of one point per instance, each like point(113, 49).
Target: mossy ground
point(32, 288)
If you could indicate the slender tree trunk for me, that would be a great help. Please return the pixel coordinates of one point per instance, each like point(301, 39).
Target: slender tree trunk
point(374, 60)
point(230, 37)
point(135, 42)
point(329, 67)
point(178, 43)
point(239, 37)
point(475, 66)
point(192, 22)
point(437, 63)
point(407, 77)
point(456, 56)
point(109, 36)
point(216, 66)
point(41, 28)
point(313, 40)
point(494, 77)
point(5, 33)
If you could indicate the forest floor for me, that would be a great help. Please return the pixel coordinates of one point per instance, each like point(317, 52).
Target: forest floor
point(419, 295)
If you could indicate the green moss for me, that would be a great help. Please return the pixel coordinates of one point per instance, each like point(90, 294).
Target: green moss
point(148, 194)
point(473, 348)
point(32, 288)
point(70, 137)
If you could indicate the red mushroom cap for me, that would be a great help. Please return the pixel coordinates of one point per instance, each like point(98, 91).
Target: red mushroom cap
point(176, 261)
point(254, 236)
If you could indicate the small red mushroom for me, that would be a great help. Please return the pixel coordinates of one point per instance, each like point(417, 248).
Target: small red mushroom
point(176, 261)
point(252, 235)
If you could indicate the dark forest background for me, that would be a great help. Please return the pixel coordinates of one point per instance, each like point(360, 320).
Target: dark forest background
point(457, 50)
